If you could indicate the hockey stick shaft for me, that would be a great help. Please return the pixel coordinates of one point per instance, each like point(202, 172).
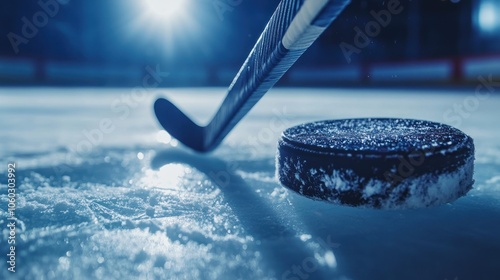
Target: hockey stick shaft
point(289, 33)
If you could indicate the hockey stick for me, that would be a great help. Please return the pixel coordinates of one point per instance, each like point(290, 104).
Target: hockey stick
point(294, 26)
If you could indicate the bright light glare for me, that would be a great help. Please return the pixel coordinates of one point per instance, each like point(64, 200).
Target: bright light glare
point(166, 10)
point(168, 177)
point(170, 27)
point(488, 18)
point(140, 156)
point(163, 137)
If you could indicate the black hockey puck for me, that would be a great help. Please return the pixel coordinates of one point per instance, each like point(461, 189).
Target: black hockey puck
point(376, 163)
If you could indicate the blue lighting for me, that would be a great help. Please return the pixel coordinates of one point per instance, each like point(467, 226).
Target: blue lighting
point(488, 18)
point(166, 11)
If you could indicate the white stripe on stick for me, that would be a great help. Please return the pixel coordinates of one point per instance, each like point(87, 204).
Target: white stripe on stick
point(294, 38)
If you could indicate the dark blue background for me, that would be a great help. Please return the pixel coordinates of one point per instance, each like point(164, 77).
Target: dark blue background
point(111, 33)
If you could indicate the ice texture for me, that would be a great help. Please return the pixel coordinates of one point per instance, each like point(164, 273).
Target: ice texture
point(140, 206)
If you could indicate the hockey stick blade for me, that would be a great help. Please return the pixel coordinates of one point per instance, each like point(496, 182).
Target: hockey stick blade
point(179, 125)
point(294, 26)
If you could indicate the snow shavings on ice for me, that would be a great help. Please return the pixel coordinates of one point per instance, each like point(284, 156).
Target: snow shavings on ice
point(172, 222)
point(117, 216)
point(113, 214)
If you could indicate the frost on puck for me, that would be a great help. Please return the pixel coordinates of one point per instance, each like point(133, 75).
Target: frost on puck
point(377, 163)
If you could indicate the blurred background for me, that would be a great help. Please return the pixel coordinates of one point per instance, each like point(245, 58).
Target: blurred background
point(204, 42)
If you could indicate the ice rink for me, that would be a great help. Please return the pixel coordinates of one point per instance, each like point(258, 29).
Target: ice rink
point(103, 192)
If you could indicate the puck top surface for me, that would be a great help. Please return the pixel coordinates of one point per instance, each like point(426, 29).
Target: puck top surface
point(374, 136)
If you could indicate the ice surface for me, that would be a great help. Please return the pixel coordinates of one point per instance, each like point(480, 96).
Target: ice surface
point(137, 204)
